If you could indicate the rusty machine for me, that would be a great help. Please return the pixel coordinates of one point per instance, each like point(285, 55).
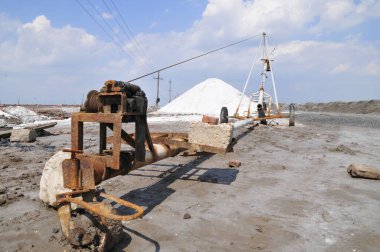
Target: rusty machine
point(70, 178)
point(117, 103)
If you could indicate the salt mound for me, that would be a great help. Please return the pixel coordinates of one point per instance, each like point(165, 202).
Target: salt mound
point(6, 118)
point(3, 123)
point(207, 98)
point(26, 115)
point(5, 115)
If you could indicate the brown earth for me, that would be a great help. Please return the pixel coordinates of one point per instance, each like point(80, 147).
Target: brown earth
point(357, 107)
point(291, 193)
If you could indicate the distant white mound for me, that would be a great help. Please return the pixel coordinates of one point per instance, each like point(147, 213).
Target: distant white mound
point(24, 114)
point(207, 98)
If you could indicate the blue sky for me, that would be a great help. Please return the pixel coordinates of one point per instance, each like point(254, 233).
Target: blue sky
point(54, 52)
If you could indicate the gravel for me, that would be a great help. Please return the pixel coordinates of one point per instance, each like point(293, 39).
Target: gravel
point(335, 119)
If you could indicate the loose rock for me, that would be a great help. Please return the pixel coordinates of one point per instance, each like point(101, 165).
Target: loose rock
point(3, 199)
point(23, 135)
point(361, 171)
point(234, 163)
point(187, 216)
point(3, 189)
point(16, 159)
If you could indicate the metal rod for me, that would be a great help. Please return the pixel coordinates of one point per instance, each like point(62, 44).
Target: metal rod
point(242, 123)
point(248, 78)
point(273, 83)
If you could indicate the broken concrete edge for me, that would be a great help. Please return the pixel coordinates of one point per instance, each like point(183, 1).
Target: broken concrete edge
point(38, 128)
point(217, 136)
point(23, 135)
point(362, 171)
point(51, 182)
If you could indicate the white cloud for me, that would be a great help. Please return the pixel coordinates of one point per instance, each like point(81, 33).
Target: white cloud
point(153, 24)
point(283, 18)
point(38, 58)
point(373, 68)
point(341, 68)
point(51, 57)
point(39, 24)
point(107, 15)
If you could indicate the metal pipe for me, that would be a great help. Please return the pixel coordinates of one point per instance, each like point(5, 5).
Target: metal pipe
point(239, 124)
point(162, 151)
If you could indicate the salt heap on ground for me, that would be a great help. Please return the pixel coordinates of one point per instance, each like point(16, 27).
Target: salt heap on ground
point(24, 114)
point(208, 97)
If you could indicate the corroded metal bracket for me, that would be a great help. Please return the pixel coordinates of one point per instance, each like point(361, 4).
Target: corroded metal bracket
point(98, 207)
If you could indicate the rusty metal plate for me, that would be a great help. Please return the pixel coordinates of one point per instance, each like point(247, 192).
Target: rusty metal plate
point(70, 173)
point(87, 174)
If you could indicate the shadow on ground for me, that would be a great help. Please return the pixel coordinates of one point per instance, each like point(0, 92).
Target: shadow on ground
point(151, 196)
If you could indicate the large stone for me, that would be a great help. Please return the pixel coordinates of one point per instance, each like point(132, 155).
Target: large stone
point(3, 199)
point(3, 189)
point(23, 135)
point(51, 182)
point(218, 136)
point(362, 171)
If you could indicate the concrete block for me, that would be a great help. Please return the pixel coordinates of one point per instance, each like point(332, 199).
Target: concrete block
point(51, 182)
point(218, 136)
point(23, 135)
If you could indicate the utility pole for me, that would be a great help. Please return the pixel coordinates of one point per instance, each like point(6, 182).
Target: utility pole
point(158, 87)
point(170, 91)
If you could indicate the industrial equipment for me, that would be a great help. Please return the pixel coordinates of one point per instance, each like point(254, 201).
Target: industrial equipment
point(261, 98)
point(117, 103)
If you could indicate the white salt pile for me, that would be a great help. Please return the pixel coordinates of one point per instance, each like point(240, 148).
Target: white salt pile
point(24, 114)
point(208, 97)
point(5, 118)
point(3, 123)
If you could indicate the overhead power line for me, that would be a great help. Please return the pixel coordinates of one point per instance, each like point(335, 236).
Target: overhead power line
point(103, 29)
point(196, 57)
point(130, 35)
point(106, 23)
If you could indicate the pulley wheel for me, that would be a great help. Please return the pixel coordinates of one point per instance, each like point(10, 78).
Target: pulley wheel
point(223, 115)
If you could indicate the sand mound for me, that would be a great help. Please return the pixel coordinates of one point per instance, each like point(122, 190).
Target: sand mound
point(207, 98)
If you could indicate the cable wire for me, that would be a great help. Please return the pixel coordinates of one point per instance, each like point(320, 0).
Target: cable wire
point(104, 30)
point(129, 29)
point(193, 58)
point(129, 36)
point(106, 23)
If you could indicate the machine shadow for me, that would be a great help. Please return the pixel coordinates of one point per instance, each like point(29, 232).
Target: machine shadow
point(153, 195)
point(126, 240)
point(154, 242)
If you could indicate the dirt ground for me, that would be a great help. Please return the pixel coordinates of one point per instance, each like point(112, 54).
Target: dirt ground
point(291, 193)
